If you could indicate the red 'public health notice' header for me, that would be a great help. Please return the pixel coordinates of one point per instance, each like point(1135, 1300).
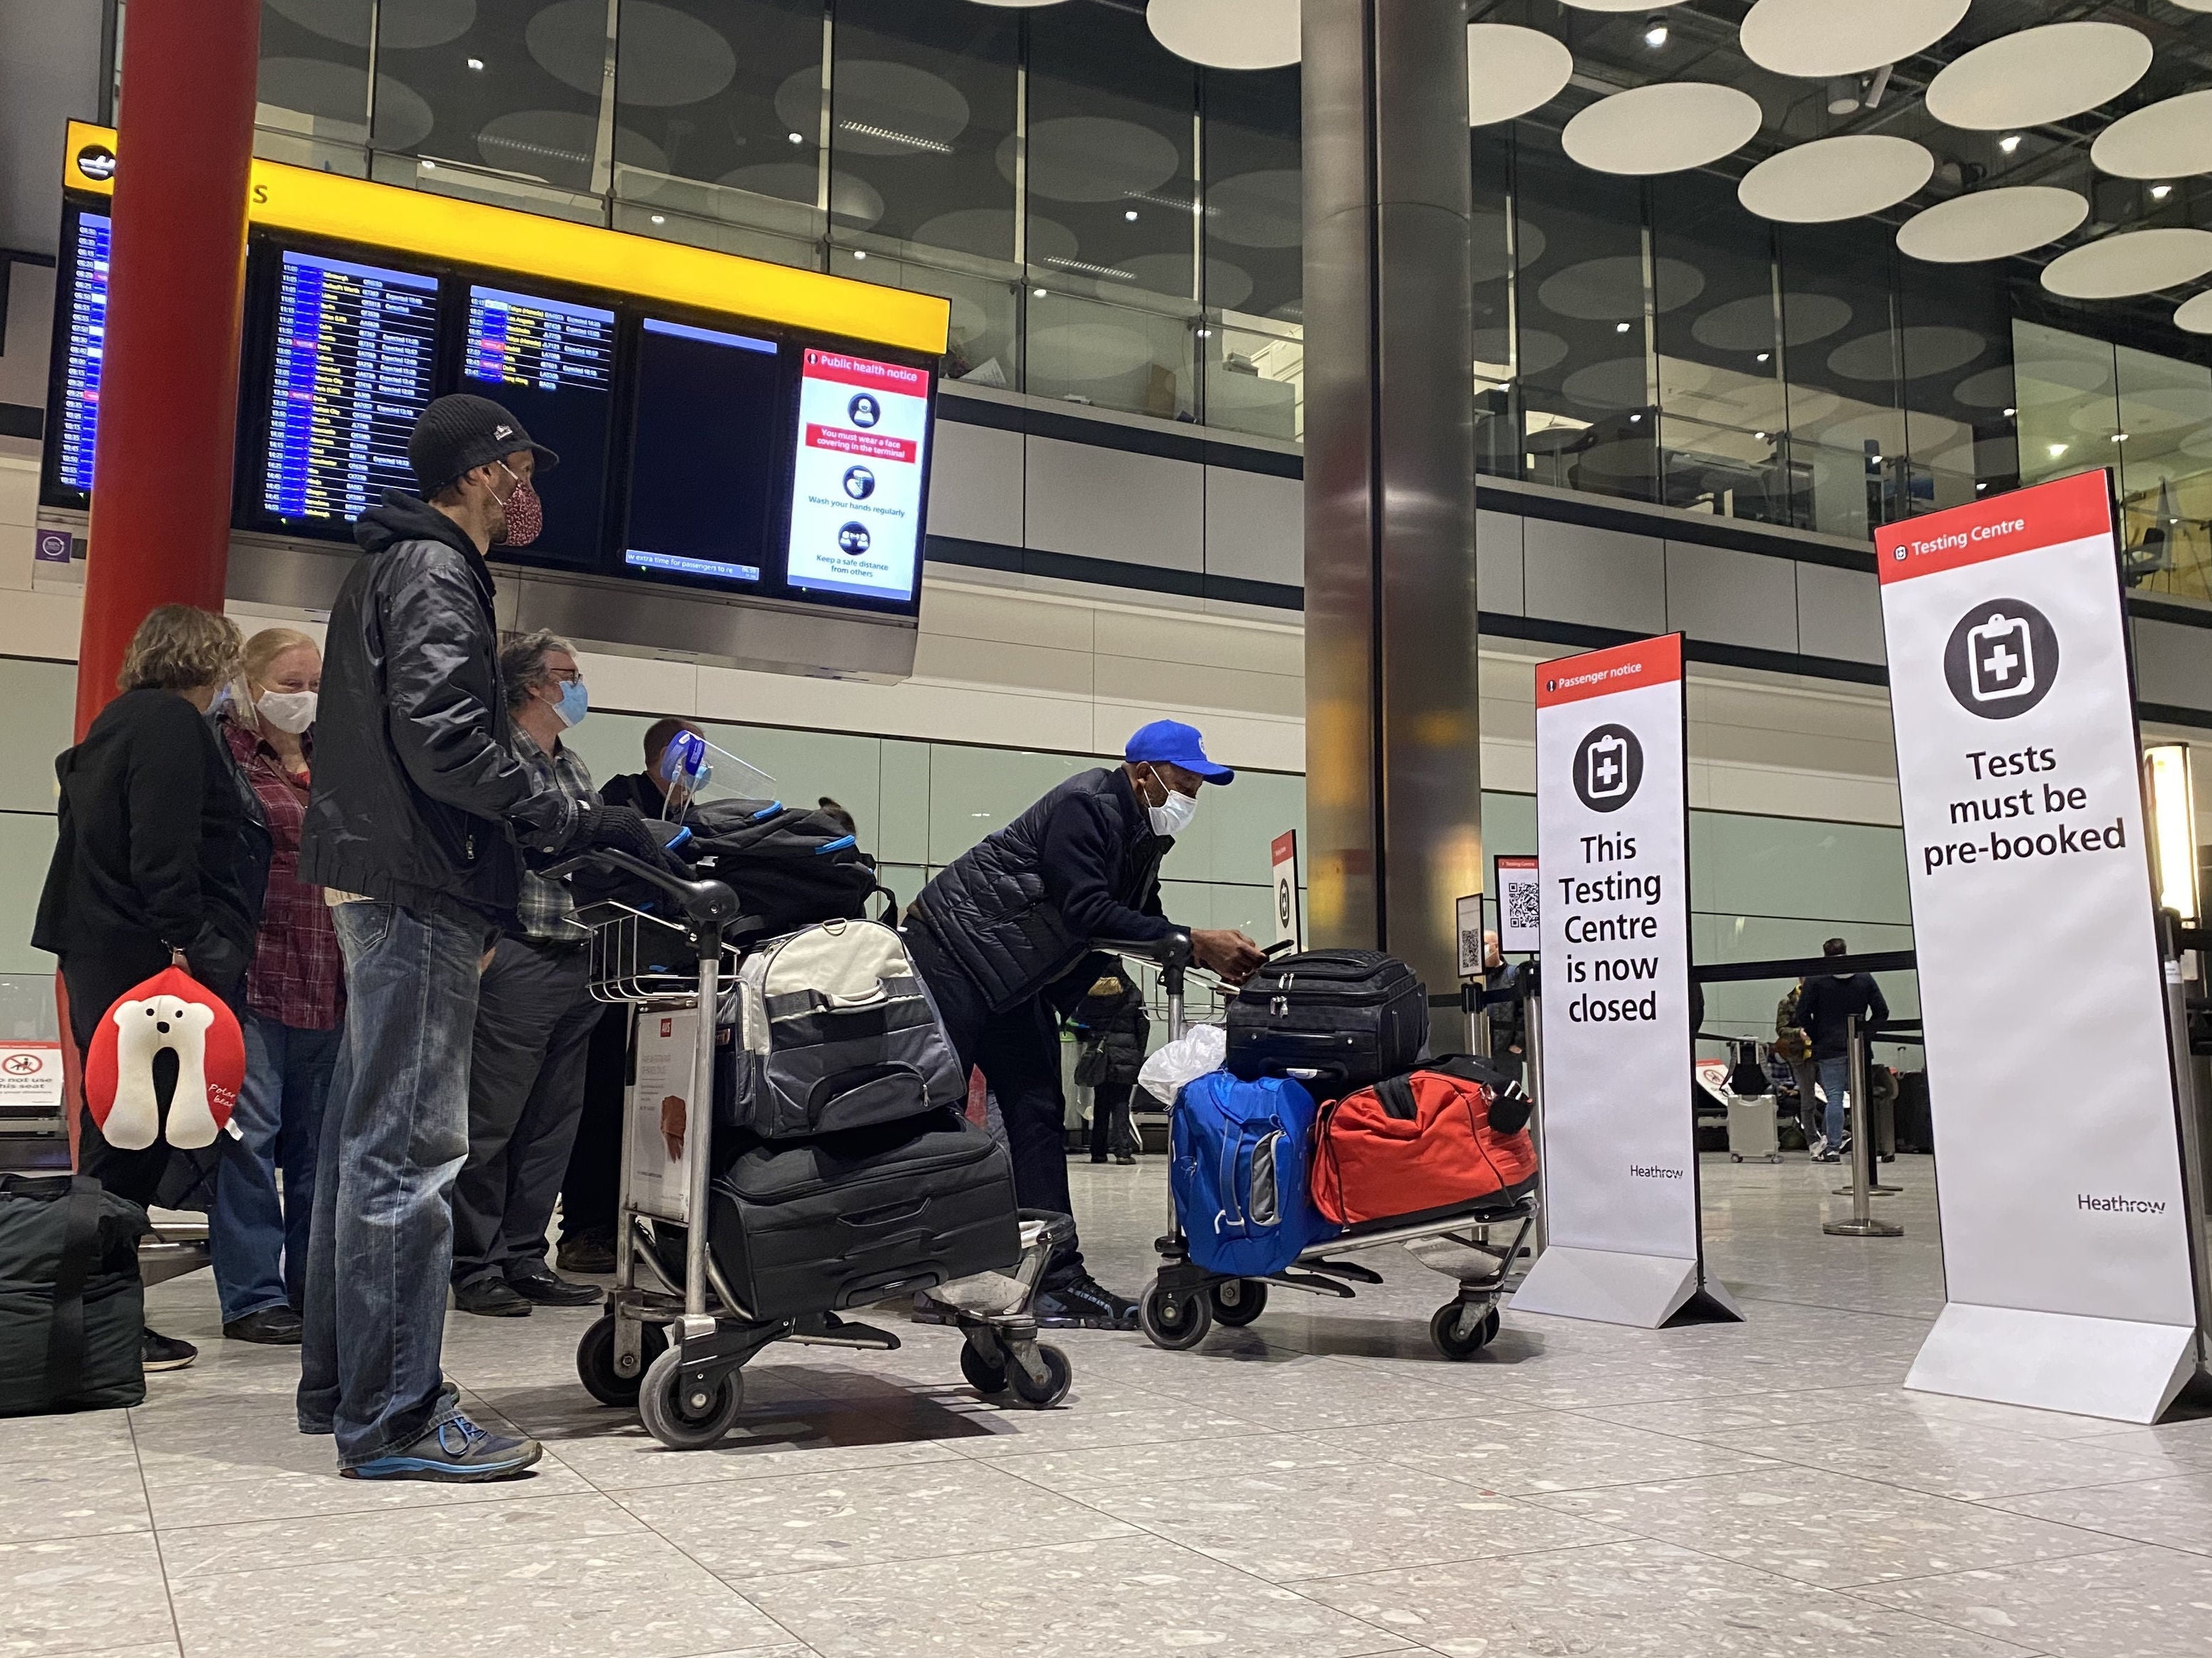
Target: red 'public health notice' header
point(2043, 515)
point(1618, 668)
point(866, 371)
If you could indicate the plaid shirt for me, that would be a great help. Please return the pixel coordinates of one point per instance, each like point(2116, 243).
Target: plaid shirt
point(548, 914)
point(297, 977)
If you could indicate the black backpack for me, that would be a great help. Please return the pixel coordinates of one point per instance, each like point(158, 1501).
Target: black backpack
point(72, 1307)
point(790, 868)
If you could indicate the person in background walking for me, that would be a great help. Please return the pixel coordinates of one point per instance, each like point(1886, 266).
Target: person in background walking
point(1825, 1007)
point(1506, 1008)
point(1794, 1050)
point(155, 864)
point(1111, 1025)
point(295, 999)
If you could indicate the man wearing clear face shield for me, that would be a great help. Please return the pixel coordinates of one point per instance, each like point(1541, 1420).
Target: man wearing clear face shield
point(1008, 918)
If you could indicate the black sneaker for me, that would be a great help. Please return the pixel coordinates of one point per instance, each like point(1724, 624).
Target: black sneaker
point(490, 1297)
point(535, 1283)
point(160, 1352)
point(456, 1450)
point(586, 1251)
point(268, 1327)
point(1082, 1302)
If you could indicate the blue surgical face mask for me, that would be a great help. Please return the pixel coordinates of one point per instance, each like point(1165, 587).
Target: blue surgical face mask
point(575, 702)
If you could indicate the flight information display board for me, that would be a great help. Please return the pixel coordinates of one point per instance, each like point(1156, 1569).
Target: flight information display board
point(709, 415)
point(84, 344)
point(355, 367)
point(857, 479)
point(551, 363)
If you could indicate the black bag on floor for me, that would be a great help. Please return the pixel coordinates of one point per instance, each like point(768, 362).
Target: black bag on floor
point(1355, 1016)
point(1915, 1131)
point(823, 1225)
point(72, 1307)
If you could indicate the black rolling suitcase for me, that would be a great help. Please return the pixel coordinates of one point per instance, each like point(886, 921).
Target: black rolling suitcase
point(819, 1226)
point(1354, 1016)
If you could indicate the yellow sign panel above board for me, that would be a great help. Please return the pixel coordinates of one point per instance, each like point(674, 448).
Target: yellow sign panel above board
point(312, 203)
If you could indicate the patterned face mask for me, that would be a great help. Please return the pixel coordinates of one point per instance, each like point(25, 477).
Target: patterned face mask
point(525, 513)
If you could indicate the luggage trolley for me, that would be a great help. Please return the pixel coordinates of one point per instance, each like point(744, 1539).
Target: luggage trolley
point(1185, 1300)
point(674, 1339)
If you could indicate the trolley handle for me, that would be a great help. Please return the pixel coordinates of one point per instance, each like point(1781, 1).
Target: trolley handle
point(709, 906)
point(1171, 954)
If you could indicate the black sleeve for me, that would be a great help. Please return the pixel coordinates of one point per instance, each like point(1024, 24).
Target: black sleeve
point(1078, 857)
point(1876, 1002)
point(164, 788)
point(440, 729)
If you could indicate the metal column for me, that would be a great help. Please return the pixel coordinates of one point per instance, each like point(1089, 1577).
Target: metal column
point(1393, 795)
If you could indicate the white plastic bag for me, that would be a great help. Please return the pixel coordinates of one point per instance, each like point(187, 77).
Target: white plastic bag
point(1199, 1049)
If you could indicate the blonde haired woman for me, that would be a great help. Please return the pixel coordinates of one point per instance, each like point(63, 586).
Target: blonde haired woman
point(158, 853)
point(295, 996)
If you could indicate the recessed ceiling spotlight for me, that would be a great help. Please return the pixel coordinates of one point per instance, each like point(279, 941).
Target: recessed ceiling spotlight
point(1760, 437)
point(1206, 333)
point(1981, 486)
point(2009, 143)
point(2119, 437)
point(429, 166)
point(477, 63)
point(1037, 292)
point(2056, 449)
point(660, 218)
point(1764, 356)
point(1632, 419)
point(1131, 216)
point(1655, 32)
point(2159, 192)
point(2009, 413)
point(859, 253)
point(1621, 328)
point(798, 137)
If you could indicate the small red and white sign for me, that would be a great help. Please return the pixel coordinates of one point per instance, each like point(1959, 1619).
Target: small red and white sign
point(856, 487)
point(31, 1075)
point(1283, 860)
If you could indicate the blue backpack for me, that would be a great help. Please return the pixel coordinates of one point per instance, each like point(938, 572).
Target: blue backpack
point(1242, 1150)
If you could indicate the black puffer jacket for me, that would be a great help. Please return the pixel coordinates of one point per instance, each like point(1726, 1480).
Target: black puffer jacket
point(1114, 1028)
point(418, 796)
point(1021, 906)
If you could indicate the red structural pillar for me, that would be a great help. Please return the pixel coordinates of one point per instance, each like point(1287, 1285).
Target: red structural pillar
point(168, 394)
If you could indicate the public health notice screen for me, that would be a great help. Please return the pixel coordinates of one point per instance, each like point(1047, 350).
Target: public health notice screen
point(857, 480)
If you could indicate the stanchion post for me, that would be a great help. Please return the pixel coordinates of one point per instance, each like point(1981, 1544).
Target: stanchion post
point(2189, 1106)
point(1531, 1049)
point(1862, 1118)
point(1862, 1224)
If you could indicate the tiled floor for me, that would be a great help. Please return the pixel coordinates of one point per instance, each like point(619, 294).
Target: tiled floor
point(1319, 1484)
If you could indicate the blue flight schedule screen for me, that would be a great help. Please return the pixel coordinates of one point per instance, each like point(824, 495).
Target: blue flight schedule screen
point(87, 344)
point(353, 371)
point(551, 364)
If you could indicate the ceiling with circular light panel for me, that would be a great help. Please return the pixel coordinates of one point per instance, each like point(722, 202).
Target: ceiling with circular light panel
point(1846, 177)
point(1511, 70)
point(2132, 262)
point(1991, 224)
point(2169, 139)
point(2194, 316)
point(1815, 38)
point(1665, 127)
point(2038, 75)
point(1227, 33)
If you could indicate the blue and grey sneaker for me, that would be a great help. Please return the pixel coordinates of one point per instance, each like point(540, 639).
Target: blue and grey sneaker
point(455, 1450)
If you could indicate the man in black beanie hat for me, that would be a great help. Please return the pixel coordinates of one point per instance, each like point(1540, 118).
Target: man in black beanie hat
point(416, 824)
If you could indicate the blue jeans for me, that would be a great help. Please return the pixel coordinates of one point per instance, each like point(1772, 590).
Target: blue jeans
point(1835, 1083)
point(395, 1133)
point(260, 1247)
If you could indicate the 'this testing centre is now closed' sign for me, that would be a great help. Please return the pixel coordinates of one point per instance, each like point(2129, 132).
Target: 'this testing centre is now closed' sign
point(2066, 1243)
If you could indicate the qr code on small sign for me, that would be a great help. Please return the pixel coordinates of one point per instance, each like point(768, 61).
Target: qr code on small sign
point(1521, 905)
point(1470, 950)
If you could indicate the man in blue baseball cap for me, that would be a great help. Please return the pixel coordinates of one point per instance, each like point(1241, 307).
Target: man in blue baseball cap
point(1005, 932)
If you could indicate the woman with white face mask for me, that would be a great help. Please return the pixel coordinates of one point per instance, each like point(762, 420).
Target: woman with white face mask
point(295, 1001)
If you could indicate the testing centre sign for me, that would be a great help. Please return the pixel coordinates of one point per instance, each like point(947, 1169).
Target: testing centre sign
point(1612, 831)
point(2066, 1238)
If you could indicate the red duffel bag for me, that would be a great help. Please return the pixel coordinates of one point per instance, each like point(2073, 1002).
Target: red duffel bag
point(1448, 1135)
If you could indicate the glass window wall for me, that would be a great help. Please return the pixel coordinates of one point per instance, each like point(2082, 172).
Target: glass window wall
point(1254, 275)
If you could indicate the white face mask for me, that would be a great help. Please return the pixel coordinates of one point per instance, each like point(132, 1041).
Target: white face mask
point(288, 711)
point(1173, 815)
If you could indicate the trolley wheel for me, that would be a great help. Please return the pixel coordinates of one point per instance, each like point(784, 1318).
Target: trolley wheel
point(595, 1361)
point(985, 1375)
point(1238, 1302)
point(1174, 1321)
point(1059, 1376)
point(688, 1420)
point(1444, 1331)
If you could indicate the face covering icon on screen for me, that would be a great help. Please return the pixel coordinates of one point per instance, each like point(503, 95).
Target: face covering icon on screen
point(1173, 815)
point(525, 512)
point(288, 711)
point(575, 702)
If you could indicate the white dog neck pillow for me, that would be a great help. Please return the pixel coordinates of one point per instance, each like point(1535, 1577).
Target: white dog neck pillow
point(171, 1010)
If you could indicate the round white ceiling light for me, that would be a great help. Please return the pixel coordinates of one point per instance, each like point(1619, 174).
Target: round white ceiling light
point(2132, 262)
point(1840, 178)
point(1665, 127)
point(1814, 39)
point(2194, 316)
point(1990, 224)
point(1617, 5)
point(2170, 139)
point(1227, 33)
point(2038, 75)
point(1511, 70)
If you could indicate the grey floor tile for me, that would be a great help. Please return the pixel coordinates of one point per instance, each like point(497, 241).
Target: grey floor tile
point(1104, 1415)
point(430, 1537)
point(805, 1522)
point(2176, 1511)
point(1639, 1599)
point(1823, 1527)
point(1535, 1451)
point(1086, 1472)
point(1324, 1521)
point(80, 1596)
point(1132, 1597)
point(612, 1596)
point(2137, 1601)
point(70, 1476)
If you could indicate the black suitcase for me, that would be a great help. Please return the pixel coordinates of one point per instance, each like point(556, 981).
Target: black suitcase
point(818, 1225)
point(72, 1309)
point(1353, 1015)
point(1915, 1130)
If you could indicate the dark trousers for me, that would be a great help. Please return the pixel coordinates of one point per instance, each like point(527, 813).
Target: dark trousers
point(534, 1019)
point(1017, 1051)
point(1112, 1128)
point(590, 1189)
